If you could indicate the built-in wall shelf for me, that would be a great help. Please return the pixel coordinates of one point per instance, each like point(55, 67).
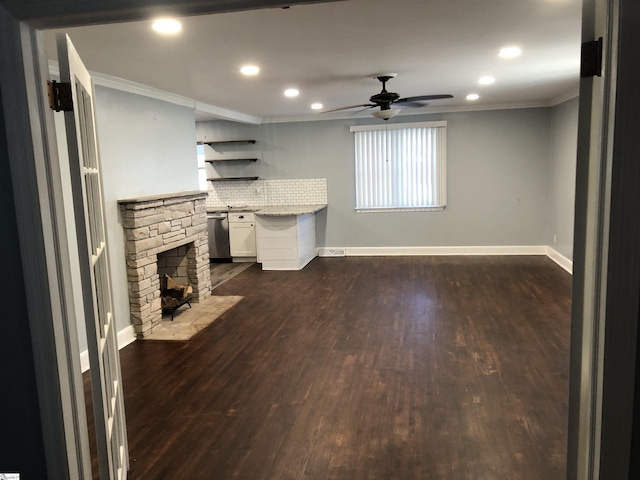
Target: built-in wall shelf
point(232, 160)
point(231, 179)
point(222, 142)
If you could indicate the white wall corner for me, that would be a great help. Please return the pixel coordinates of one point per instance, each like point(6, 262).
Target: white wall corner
point(126, 336)
point(560, 259)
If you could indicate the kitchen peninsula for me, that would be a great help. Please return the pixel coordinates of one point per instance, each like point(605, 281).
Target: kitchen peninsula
point(282, 212)
point(286, 236)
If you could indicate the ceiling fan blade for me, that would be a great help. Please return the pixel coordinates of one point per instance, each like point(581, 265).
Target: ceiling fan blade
point(423, 97)
point(363, 109)
point(413, 104)
point(367, 105)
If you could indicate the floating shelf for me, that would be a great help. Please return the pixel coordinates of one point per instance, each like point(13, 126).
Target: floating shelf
point(221, 142)
point(232, 160)
point(231, 179)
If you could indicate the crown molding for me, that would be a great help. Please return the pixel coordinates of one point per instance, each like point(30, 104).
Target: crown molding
point(408, 112)
point(204, 112)
point(211, 112)
point(128, 86)
point(136, 88)
point(565, 97)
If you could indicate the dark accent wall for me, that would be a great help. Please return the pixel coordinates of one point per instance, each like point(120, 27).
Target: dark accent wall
point(620, 402)
point(21, 444)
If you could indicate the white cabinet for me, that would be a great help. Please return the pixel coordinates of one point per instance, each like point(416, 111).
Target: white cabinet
point(242, 234)
point(286, 242)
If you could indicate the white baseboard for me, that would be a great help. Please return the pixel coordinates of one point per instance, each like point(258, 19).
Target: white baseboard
point(560, 259)
point(453, 250)
point(126, 336)
point(84, 360)
point(557, 257)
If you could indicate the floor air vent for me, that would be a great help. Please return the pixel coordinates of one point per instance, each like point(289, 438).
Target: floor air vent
point(332, 252)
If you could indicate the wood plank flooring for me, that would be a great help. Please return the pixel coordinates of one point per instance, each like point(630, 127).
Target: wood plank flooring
point(363, 368)
point(223, 272)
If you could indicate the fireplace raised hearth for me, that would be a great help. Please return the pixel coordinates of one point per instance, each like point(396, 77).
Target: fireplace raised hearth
point(153, 225)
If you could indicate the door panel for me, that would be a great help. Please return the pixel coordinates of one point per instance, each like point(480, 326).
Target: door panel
point(106, 383)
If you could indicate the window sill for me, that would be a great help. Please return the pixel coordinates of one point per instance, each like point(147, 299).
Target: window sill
point(438, 208)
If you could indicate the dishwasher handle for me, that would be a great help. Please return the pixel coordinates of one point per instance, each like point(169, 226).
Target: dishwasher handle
point(222, 216)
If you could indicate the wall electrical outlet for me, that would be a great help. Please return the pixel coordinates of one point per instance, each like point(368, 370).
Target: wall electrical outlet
point(555, 239)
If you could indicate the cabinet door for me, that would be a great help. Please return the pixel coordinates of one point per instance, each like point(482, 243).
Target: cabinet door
point(242, 239)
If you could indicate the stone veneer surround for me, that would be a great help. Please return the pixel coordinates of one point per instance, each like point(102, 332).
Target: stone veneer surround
point(156, 224)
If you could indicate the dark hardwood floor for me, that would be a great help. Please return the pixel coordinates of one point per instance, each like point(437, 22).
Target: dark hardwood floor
point(363, 368)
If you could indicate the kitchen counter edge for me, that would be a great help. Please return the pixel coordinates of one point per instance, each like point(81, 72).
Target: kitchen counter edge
point(275, 210)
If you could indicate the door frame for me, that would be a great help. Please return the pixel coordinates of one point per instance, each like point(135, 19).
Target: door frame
point(35, 175)
point(33, 161)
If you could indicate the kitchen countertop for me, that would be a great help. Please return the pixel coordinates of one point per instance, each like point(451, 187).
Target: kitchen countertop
point(285, 210)
point(275, 210)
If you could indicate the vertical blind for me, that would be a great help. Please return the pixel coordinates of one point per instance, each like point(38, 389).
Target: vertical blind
point(400, 166)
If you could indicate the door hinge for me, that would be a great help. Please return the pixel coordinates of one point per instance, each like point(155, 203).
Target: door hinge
point(60, 98)
point(591, 59)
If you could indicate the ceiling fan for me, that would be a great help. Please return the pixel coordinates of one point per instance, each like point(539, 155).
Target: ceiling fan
point(385, 99)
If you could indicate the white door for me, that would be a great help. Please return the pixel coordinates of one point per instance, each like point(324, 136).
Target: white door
point(106, 381)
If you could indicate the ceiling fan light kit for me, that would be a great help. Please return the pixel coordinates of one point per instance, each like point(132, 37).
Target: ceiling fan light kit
point(386, 99)
point(386, 114)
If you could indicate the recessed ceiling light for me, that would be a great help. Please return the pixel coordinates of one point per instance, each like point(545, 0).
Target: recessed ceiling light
point(510, 52)
point(250, 70)
point(291, 92)
point(316, 106)
point(473, 96)
point(486, 80)
point(167, 26)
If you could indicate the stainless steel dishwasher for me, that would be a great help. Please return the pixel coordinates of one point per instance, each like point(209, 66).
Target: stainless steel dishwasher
point(218, 230)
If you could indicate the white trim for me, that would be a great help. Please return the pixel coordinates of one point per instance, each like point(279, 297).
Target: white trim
point(560, 259)
point(126, 336)
point(129, 86)
point(124, 85)
point(564, 98)
point(84, 361)
point(204, 109)
point(435, 208)
point(554, 255)
point(317, 117)
point(441, 250)
point(140, 89)
point(35, 176)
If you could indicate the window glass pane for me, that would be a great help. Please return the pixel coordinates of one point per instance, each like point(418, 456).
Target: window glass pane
point(400, 168)
point(202, 168)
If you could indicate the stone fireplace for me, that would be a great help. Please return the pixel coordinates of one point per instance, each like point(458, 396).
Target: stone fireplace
point(170, 227)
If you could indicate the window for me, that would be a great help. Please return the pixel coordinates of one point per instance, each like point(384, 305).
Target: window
point(401, 167)
point(202, 168)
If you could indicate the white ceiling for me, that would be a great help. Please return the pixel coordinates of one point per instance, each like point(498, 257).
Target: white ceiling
point(329, 50)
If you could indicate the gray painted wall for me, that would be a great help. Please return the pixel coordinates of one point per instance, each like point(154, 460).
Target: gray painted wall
point(147, 147)
point(562, 176)
point(497, 179)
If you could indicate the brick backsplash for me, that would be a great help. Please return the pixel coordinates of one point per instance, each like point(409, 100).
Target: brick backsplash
point(257, 193)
